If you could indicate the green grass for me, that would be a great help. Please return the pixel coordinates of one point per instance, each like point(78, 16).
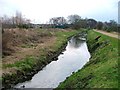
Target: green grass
point(102, 69)
point(28, 45)
point(27, 63)
point(62, 38)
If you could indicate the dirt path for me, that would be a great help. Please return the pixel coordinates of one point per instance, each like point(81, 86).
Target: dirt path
point(115, 35)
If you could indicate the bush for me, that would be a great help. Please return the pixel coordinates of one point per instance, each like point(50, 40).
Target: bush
point(23, 26)
point(99, 26)
point(6, 40)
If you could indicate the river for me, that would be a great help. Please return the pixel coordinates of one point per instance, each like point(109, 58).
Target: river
point(71, 60)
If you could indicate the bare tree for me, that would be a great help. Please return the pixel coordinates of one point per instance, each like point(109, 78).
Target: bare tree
point(58, 21)
point(99, 26)
point(72, 19)
point(91, 23)
point(17, 20)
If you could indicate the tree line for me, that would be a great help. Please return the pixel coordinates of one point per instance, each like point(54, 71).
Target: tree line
point(17, 21)
point(76, 22)
point(73, 21)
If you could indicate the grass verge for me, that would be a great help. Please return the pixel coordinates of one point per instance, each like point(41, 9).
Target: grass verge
point(102, 69)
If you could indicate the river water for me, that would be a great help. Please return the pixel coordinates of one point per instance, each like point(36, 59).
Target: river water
point(71, 60)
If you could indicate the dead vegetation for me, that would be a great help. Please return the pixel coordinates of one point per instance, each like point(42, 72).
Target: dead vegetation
point(18, 43)
point(13, 39)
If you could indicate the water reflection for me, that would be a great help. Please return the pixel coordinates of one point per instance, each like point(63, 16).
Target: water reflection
point(76, 42)
point(73, 59)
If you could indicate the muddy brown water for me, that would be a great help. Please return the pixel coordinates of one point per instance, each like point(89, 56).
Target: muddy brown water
point(71, 60)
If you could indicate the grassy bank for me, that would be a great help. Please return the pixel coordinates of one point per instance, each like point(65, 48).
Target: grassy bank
point(102, 69)
point(24, 69)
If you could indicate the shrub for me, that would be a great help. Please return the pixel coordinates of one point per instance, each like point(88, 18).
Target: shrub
point(6, 40)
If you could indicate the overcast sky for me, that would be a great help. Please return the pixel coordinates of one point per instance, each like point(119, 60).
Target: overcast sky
point(40, 11)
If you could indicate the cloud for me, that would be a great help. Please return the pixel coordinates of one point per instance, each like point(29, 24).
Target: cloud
point(42, 10)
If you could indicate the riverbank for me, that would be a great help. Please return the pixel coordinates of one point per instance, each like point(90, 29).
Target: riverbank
point(102, 69)
point(22, 70)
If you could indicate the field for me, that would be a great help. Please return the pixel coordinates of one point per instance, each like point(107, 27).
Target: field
point(25, 52)
point(102, 69)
